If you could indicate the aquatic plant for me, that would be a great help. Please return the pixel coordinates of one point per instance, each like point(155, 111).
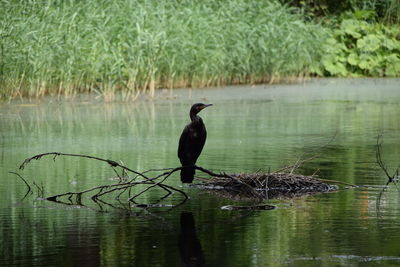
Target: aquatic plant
point(126, 46)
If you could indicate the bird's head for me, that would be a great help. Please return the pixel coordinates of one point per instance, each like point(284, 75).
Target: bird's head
point(196, 108)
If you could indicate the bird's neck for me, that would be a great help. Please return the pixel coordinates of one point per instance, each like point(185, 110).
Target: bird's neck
point(194, 117)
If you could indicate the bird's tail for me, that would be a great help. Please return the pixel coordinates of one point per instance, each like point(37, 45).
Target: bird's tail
point(187, 174)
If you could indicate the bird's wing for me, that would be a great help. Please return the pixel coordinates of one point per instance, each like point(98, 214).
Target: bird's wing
point(183, 140)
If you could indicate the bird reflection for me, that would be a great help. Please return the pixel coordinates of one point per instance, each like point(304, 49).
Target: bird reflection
point(189, 244)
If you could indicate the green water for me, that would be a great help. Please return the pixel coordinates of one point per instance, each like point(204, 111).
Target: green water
point(249, 129)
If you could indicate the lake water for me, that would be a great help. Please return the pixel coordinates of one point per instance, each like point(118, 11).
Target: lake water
point(250, 128)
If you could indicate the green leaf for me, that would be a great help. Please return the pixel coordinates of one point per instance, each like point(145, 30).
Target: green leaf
point(368, 62)
point(335, 68)
point(392, 65)
point(353, 59)
point(369, 43)
point(393, 58)
point(351, 27)
point(361, 48)
point(364, 14)
point(391, 44)
point(342, 58)
point(393, 70)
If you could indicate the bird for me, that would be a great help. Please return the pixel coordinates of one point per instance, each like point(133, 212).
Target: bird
point(191, 142)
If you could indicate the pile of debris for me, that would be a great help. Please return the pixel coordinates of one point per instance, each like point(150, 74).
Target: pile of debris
point(267, 185)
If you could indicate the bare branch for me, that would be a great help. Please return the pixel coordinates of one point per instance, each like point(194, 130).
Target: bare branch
point(379, 158)
point(224, 175)
point(26, 183)
point(254, 185)
point(111, 162)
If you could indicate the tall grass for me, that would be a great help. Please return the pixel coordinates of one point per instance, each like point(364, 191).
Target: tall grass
point(70, 46)
point(392, 14)
point(387, 11)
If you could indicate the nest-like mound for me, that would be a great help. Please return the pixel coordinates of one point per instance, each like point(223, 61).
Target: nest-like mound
point(267, 185)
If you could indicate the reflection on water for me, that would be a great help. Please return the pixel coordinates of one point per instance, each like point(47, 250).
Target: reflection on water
point(189, 244)
point(249, 129)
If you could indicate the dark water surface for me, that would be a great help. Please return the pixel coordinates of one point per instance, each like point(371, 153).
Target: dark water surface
point(249, 129)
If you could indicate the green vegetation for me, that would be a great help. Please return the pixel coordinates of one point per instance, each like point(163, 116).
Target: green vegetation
point(387, 11)
point(128, 46)
point(360, 43)
point(358, 48)
point(64, 47)
point(392, 13)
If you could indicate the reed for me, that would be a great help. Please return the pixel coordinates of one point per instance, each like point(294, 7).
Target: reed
point(392, 13)
point(125, 46)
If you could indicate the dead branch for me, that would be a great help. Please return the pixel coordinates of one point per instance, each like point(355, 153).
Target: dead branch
point(379, 158)
point(257, 185)
point(55, 154)
point(253, 185)
point(252, 207)
point(102, 190)
point(26, 183)
point(391, 178)
point(268, 185)
point(224, 175)
point(334, 182)
point(382, 165)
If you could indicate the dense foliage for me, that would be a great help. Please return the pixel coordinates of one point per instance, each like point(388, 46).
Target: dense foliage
point(387, 11)
point(64, 47)
point(124, 45)
point(359, 48)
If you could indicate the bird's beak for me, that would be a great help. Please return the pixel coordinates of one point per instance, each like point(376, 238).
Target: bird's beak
point(206, 105)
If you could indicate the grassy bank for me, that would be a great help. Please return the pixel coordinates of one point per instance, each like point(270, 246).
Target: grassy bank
point(65, 47)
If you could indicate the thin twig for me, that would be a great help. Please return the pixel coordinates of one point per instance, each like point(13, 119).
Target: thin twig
point(379, 158)
point(111, 162)
point(26, 183)
point(299, 162)
point(230, 177)
point(167, 174)
point(22, 178)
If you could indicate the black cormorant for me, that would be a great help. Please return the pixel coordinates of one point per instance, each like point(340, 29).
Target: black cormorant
point(192, 142)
